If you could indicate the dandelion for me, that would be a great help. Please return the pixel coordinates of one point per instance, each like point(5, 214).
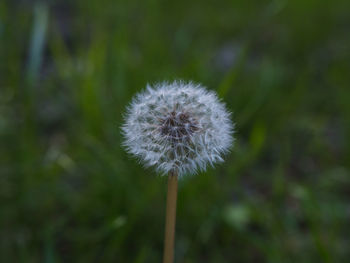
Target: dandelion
point(179, 128)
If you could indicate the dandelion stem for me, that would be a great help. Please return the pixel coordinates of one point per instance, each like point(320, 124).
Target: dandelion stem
point(170, 219)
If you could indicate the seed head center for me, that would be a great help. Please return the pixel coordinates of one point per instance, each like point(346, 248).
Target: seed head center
point(178, 126)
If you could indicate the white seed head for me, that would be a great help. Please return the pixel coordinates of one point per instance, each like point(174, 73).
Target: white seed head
point(177, 127)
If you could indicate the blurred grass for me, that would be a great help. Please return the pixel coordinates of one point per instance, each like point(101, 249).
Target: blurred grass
point(70, 193)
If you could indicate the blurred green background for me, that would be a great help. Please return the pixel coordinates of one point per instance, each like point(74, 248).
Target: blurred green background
point(70, 193)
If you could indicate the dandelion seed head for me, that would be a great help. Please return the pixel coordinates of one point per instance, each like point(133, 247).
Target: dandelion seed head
point(177, 127)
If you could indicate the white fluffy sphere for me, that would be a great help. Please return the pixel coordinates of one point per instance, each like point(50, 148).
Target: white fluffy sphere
point(177, 127)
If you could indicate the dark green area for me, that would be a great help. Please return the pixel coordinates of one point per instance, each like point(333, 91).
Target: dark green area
point(70, 193)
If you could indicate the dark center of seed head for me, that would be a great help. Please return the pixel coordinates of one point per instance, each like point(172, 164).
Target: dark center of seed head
point(178, 126)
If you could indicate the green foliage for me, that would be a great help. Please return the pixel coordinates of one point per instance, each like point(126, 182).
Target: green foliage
point(70, 193)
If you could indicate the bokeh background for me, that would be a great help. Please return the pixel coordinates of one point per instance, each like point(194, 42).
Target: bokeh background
point(70, 193)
